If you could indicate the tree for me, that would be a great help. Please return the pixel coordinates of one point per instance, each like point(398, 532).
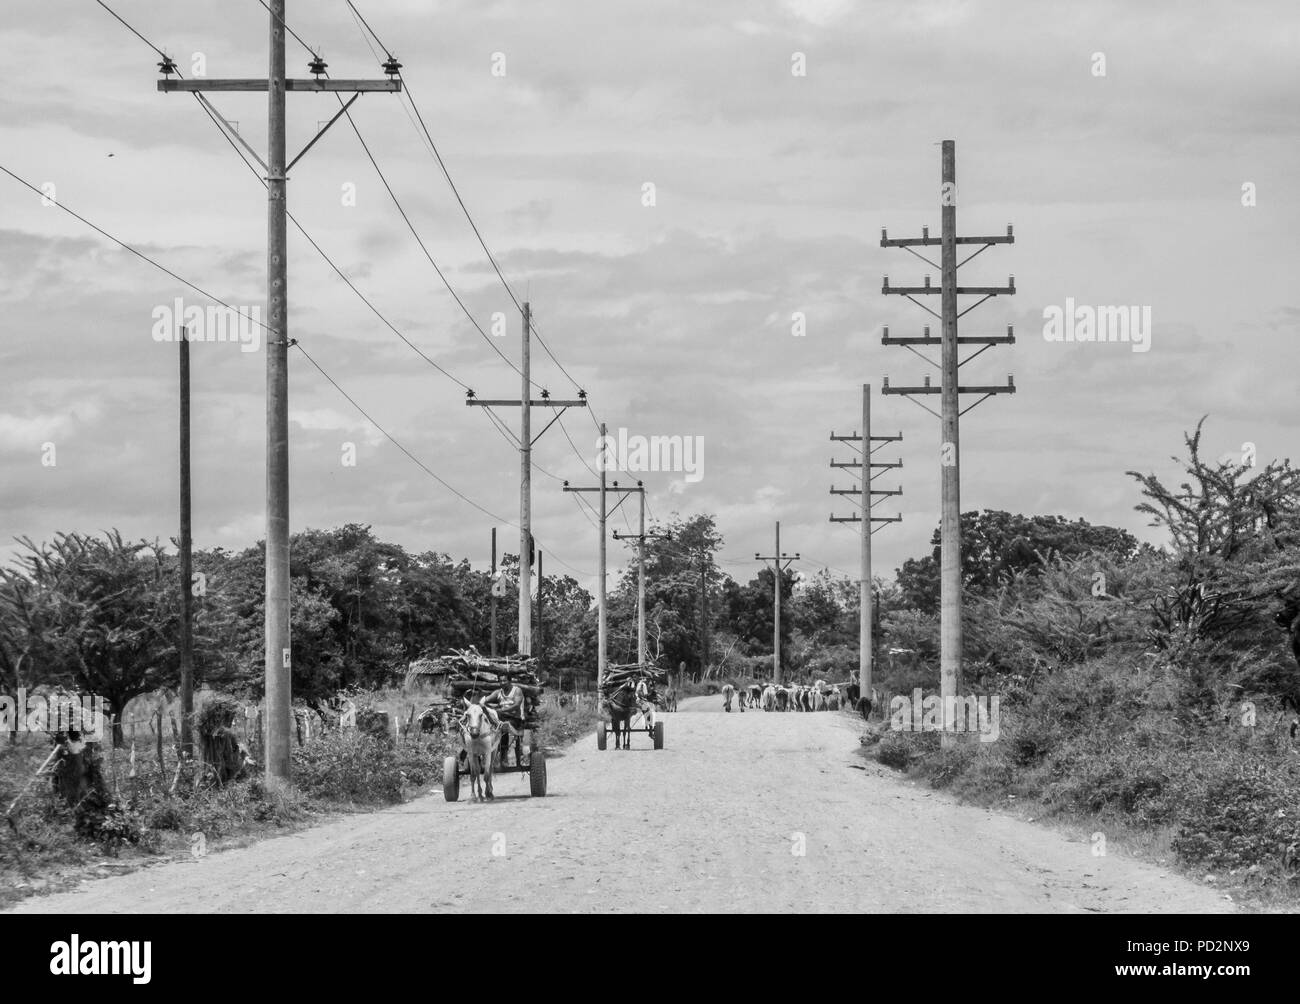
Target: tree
point(1235, 568)
point(97, 613)
point(996, 544)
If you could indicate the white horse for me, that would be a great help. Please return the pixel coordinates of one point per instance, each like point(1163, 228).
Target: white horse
point(480, 737)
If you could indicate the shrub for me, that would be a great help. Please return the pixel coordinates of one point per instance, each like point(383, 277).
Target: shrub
point(893, 751)
point(349, 767)
point(1245, 819)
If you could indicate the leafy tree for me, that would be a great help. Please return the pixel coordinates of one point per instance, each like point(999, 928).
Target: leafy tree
point(97, 613)
point(996, 544)
point(1234, 574)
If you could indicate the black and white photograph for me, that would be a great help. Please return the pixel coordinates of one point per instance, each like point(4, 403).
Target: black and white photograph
point(779, 457)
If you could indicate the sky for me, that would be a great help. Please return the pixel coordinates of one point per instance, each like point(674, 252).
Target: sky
point(1144, 153)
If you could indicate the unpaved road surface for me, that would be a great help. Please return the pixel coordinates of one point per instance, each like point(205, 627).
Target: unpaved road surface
point(740, 812)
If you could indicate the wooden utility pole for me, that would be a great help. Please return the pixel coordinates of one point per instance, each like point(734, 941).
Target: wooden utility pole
point(640, 538)
point(950, 635)
point(186, 559)
point(492, 590)
point(277, 648)
point(603, 517)
point(525, 441)
point(865, 505)
point(541, 625)
point(780, 562)
point(526, 493)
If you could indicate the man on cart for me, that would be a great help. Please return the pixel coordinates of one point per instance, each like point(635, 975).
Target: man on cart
point(508, 703)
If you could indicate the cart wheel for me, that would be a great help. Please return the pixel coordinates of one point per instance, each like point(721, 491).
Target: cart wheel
point(659, 735)
point(537, 774)
point(600, 737)
point(451, 779)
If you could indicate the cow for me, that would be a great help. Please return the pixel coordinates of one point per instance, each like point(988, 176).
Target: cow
point(864, 707)
point(727, 691)
point(769, 698)
point(851, 695)
point(833, 699)
point(782, 696)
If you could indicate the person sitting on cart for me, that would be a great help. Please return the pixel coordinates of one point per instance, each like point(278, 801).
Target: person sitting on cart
point(643, 702)
point(507, 701)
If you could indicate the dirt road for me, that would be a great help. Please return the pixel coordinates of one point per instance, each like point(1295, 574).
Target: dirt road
point(740, 812)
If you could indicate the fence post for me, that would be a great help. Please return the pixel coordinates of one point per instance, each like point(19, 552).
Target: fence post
point(112, 757)
point(158, 736)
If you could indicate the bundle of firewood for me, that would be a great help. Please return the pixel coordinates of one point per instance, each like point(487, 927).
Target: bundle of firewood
point(472, 675)
point(627, 675)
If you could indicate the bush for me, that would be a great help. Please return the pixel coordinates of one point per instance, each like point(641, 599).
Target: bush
point(945, 766)
point(349, 767)
point(1243, 820)
point(894, 751)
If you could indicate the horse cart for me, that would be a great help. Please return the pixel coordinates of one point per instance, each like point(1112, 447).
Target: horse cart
point(629, 696)
point(487, 745)
point(529, 759)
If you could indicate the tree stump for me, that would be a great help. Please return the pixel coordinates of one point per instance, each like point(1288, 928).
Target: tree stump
point(78, 773)
point(218, 741)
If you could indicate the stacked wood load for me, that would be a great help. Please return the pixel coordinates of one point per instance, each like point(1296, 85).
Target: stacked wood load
point(621, 675)
point(472, 675)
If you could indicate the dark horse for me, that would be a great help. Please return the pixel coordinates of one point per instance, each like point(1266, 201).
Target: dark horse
point(622, 704)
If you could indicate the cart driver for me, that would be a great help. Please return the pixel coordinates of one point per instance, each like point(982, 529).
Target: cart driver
point(507, 701)
point(643, 702)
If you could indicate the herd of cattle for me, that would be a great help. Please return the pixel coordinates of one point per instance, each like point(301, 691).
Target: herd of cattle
point(818, 696)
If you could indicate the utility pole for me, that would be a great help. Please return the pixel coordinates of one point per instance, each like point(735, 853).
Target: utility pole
point(704, 602)
point(640, 538)
point(186, 560)
point(525, 441)
point(279, 695)
point(541, 625)
point(492, 590)
point(865, 505)
point(780, 562)
point(950, 636)
point(604, 514)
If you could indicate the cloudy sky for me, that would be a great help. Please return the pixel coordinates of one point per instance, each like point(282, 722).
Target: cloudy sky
point(771, 188)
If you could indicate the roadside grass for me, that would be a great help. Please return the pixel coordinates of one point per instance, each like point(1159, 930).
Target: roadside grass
point(1091, 753)
point(335, 772)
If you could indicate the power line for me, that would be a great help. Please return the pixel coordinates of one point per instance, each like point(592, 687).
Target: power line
point(211, 115)
point(433, 147)
point(127, 247)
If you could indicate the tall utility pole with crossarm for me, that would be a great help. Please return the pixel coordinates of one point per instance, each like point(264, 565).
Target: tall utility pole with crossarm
point(640, 538)
point(950, 641)
point(276, 84)
point(603, 490)
point(780, 562)
point(866, 504)
point(525, 441)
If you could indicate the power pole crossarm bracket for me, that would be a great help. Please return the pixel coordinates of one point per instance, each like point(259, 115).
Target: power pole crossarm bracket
point(927, 339)
point(1008, 290)
point(390, 86)
point(906, 242)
